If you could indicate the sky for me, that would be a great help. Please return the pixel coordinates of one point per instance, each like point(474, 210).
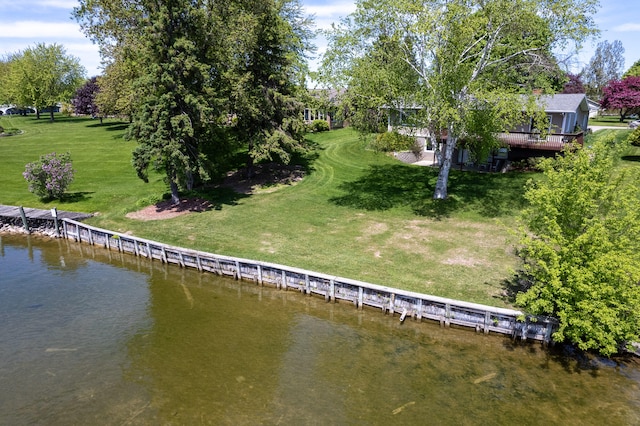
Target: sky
point(25, 23)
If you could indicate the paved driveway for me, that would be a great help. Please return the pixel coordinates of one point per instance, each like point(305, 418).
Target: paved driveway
point(596, 128)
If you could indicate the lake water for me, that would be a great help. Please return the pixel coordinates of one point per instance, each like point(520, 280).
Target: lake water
point(89, 336)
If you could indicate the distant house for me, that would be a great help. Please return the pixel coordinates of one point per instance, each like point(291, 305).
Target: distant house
point(594, 108)
point(324, 106)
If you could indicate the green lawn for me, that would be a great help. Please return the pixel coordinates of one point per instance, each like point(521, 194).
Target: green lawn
point(357, 214)
point(609, 120)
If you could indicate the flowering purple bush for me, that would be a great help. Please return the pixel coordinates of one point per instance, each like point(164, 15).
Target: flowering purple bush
point(49, 177)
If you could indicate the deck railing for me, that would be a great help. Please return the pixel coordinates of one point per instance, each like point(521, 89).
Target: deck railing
point(551, 142)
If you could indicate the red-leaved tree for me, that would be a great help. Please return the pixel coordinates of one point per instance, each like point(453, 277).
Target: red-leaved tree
point(623, 95)
point(84, 101)
point(573, 85)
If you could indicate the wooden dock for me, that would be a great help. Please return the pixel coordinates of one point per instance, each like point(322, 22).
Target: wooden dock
point(13, 212)
point(389, 300)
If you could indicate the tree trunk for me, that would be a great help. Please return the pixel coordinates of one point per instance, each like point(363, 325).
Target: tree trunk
point(440, 192)
point(175, 196)
point(250, 165)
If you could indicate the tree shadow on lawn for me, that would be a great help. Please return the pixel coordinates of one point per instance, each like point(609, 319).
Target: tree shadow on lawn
point(110, 126)
point(388, 186)
point(632, 158)
point(74, 197)
point(45, 118)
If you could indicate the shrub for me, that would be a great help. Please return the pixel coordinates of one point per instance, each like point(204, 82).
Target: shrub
point(50, 176)
point(319, 126)
point(634, 137)
point(393, 141)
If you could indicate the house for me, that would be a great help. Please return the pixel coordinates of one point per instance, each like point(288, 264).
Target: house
point(594, 108)
point(567, 118)
point(323, 106)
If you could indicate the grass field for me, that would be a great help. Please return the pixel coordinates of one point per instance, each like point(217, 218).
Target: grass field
point(609, 120)
point(357, 214)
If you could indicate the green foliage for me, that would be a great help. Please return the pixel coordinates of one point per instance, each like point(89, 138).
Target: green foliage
point(634, 70)
point(392, 142)
point(449, 58)
point(581, 249)
point(200, 78)
point(264, 45)
point(605, 65)
point(41, 76)
point(50, 176)
point(634, 137)
point(319, 126)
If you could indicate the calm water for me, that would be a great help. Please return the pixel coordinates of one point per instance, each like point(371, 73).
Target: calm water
point(89, 336)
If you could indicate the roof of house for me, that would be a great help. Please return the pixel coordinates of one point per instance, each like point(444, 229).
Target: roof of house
point(560, 102)
point(564, 102)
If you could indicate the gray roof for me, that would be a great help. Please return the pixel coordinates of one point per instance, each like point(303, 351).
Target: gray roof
point(564, 102)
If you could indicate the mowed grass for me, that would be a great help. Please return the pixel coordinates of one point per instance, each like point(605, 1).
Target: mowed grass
point(609, 120)
point(104, 181)
point(357, 213)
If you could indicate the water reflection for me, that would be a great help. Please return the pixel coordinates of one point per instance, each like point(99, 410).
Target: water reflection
point(140, 342)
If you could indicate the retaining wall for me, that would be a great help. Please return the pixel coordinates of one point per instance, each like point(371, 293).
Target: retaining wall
point(389, 300)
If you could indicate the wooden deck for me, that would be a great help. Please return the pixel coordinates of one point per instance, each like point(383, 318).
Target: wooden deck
point(38, 214)
point(555, 142)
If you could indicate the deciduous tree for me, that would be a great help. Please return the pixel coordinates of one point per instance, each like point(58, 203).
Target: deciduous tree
point(634, 70)
point(581, 249)
point(606, 65)
point(573, 84)
point(463, 56)
point(117, 94)
point(84, 101)
point(622, 95)
point(43, 75)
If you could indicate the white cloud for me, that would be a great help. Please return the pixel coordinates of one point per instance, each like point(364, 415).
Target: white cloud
point(61, 4)
point(326, 14)
point(628, 27)
point(331, 10)
point(38, 29)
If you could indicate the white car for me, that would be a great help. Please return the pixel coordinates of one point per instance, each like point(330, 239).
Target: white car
point(634, 124)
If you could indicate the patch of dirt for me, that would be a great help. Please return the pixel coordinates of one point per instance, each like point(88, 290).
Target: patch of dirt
point(166, 210)
point(266, 178)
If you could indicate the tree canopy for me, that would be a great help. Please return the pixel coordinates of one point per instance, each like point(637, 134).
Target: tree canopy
point(623, 95)
point(634, 70)
point(199, 77)
point(41, 76)
point(606, 65)
point(464, 56)
point(573, 84)
point(581, 249)
point(84, 101)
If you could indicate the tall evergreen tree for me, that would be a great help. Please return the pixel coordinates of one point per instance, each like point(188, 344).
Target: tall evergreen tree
point(267, 45)
point(179, 107)
point(200, 71)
